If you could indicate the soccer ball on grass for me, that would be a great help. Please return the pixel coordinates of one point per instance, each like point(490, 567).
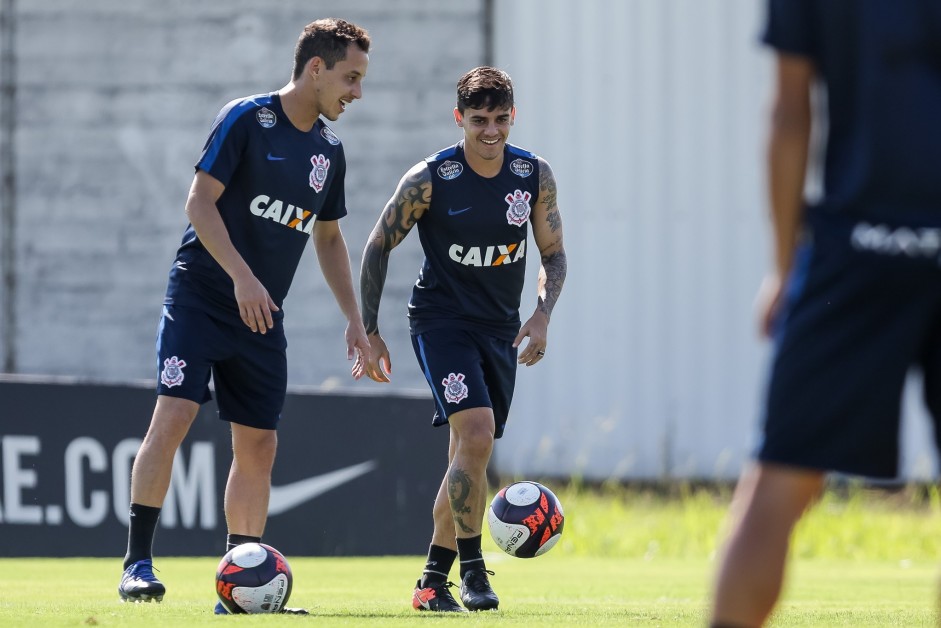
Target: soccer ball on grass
point(254, 578)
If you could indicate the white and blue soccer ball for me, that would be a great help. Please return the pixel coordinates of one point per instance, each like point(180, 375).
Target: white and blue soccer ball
point(254, 578)
point(525, 519)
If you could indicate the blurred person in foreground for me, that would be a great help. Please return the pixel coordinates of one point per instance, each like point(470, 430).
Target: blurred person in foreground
point(854, 300)
point(270, 179)
point(473, 203)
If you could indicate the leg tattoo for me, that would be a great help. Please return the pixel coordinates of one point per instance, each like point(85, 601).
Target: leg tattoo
point(459, 489)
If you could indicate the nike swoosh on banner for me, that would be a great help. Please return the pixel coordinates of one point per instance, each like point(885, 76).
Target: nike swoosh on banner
point(284, 498)
point(273, 158)
point(455, 212)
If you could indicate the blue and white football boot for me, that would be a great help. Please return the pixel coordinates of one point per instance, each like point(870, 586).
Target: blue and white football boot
point(139, 584)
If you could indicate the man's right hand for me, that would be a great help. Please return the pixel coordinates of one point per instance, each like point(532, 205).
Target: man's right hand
point(378, 366)
point(255, 304)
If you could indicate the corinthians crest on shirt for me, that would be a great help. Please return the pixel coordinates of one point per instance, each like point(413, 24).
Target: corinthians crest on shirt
point(519, 207)
point(318, 176)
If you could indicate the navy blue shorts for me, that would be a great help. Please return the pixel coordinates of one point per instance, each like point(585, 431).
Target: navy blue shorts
point(249, 369)
point(862, 307)
point(467, 369)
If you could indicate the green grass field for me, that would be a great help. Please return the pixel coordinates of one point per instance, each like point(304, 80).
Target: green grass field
point(627, 558)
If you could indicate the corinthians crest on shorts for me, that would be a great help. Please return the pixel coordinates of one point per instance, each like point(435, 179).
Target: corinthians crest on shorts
point(519, 207)
point(318, 176)
point(172, 373)
point(455, 390)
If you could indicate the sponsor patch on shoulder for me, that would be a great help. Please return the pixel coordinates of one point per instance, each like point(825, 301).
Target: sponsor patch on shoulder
point(450, 170)
point(266, 117)
point(521, 167)
point(330, 136)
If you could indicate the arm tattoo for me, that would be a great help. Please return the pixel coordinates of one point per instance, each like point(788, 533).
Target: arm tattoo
point(372, 278)
point(547, 194)
point(397, 219)
point(459, 489)
point(554, 265)
point(553, 218)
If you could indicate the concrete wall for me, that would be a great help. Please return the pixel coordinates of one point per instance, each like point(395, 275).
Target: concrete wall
point(114, 100)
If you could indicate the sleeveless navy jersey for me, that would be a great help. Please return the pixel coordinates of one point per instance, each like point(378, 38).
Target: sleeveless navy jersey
point(278, 182)
point(881, 62)
point(474, 235)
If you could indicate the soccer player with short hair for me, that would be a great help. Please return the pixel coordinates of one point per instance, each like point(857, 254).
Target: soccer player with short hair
point(854, 300)
point(473, 203)
point(270, 179)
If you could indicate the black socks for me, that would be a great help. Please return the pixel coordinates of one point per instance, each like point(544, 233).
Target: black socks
point(438, 566)
point(140, 533)
point(234, 540)
point(143, 525)
point(471, 556)
point(441, 559)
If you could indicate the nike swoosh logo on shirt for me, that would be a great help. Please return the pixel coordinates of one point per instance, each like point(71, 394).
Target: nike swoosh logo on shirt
point(455, 212)
point(284, 498)
point(273, 158)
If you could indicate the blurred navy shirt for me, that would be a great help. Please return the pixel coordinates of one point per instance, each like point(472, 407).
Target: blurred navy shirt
point(881, 63)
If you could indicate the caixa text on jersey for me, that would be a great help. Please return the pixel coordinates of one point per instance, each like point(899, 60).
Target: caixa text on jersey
point(494, 255)
point(290, 216)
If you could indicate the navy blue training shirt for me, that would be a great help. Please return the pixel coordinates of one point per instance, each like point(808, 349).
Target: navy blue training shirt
point(881, 62)
point(278, 181)
point(474, 235)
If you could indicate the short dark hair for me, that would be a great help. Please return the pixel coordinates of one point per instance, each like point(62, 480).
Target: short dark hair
point(328, 39)
point(485, 88)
